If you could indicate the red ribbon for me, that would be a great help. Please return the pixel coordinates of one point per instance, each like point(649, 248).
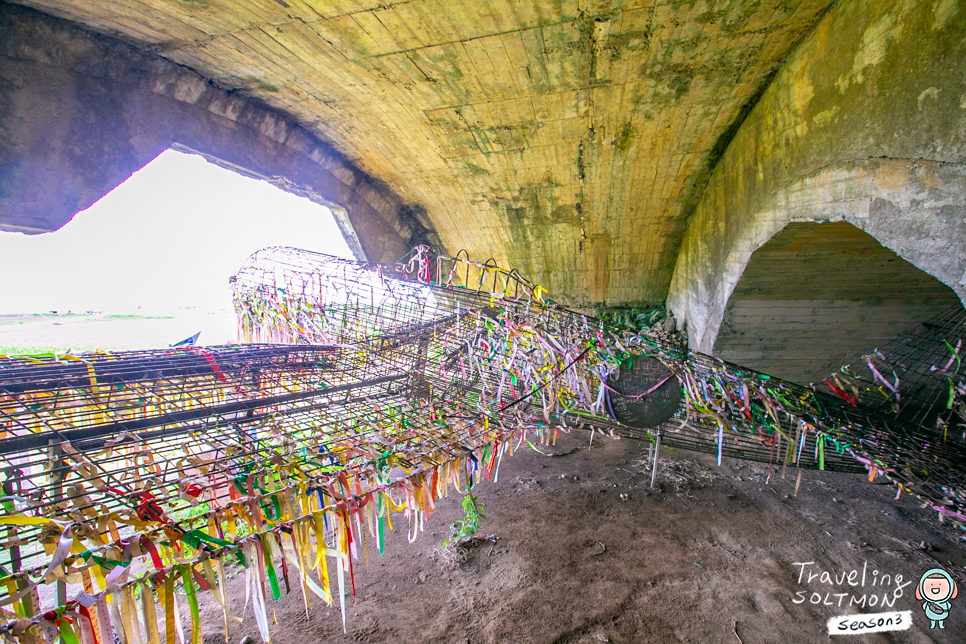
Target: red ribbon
point(841, 394)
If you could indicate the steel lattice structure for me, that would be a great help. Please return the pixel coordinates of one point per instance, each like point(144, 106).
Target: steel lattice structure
point(291, 295)
point(918, 377)
point(368, 388)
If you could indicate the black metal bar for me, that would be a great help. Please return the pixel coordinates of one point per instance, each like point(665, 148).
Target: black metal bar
point(35, 441)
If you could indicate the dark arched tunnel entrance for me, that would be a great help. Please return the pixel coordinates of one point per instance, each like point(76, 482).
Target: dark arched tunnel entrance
point(818, 296)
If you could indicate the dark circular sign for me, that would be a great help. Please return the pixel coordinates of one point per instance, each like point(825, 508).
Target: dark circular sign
point(632, 405)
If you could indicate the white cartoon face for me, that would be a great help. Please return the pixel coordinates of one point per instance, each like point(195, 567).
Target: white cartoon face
point(936, 589)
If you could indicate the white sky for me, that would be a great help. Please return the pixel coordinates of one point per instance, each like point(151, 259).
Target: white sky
point(168, 238)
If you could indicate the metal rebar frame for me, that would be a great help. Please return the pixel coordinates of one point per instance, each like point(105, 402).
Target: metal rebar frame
point(165, 449)
point(918, 377)
point(366, 388)
point(291, 295)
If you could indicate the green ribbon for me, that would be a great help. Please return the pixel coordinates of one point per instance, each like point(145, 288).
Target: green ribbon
point(107, 564)
point(270, 568)
point(66, 633)
point(380, 531)
point(189, 590)
point(196, 537)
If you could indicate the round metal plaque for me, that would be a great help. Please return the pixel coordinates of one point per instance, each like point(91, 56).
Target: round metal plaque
point(631, 406)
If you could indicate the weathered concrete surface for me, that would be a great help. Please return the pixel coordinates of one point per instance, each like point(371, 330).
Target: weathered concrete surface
point(820, 295)
point(572, 139)
point(79, 113)
point(916, 208)
point(568, 138)
point(866, 122)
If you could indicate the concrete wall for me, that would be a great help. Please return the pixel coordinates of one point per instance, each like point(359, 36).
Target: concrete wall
point(79, 113)
point(865, 123)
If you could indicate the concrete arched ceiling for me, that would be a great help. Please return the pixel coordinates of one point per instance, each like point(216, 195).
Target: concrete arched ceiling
point(570, 139)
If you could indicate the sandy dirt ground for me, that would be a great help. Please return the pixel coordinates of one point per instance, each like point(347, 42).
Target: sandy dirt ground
point(585, 552)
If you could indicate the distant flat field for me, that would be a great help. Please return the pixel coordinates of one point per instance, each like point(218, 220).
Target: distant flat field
point(58, 333)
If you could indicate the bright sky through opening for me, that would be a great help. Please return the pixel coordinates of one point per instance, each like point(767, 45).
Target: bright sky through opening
point(151, 260)
point(166, 239)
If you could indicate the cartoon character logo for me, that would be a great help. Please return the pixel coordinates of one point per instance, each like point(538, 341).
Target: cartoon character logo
point(936, 588)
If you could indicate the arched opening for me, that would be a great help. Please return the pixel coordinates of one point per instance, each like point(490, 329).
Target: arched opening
point(148, 264)
point(80, 112)
point(817, 296)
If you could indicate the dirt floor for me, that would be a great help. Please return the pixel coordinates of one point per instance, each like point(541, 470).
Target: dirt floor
point(586, 552)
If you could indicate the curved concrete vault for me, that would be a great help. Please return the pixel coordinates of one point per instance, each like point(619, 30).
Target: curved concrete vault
point(569, 139)
point(79, 113)
point(617, 151)
point(864, 123)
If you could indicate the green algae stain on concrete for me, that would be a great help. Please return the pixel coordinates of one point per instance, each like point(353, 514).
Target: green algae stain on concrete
point(944, 11)
point(624, 138)
point(872, 50)
point(825, 117)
